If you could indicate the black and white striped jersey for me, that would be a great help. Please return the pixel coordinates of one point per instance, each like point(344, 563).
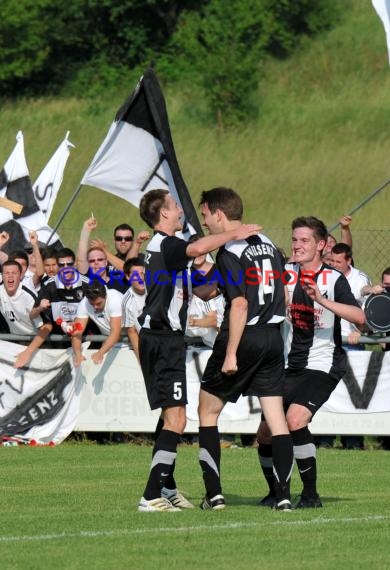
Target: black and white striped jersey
point(313, 333)
point(252, 268)
point(64, 301)
point(166, 284)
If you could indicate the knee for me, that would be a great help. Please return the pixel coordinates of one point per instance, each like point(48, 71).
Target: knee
point(176, 424)
point(294, 423)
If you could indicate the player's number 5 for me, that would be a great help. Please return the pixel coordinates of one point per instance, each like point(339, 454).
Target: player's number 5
point(177, 390)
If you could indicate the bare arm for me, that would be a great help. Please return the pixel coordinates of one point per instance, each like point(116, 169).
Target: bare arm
point(39, 269)
point(113, 338)
point(78, 356)
point(4, 237)
point(350, 313)
point(209, 320)
point(346, 235)
point(24, 357)
point(81, 258)
point(212, 242)
point(237, 321)
point(137, 243)
point(134, 340)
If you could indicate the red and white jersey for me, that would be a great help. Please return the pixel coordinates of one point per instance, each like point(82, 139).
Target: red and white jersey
point(313, 333)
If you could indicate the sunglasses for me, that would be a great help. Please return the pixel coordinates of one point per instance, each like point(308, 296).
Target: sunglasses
point(66, 264)
point(97, 259)
point(123, 238)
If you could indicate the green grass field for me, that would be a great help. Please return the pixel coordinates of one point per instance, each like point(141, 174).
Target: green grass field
point(74, 507)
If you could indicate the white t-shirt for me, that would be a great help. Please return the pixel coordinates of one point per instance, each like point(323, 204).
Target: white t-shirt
point(198, 309)
point(112, 308)
point(132, 307)
point(16, 310)
point(357, 280)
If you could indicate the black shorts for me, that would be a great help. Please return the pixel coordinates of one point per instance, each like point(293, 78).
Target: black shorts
point(309, 388)
point(163, 363)
point(260, 365)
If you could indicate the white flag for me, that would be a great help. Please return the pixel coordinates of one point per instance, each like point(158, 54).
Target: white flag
point(49, 181)
point(382, 8)
point(14, 169)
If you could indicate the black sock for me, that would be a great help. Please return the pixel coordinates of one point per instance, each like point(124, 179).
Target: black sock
point(283, 463)
point(210, 459)
point(305, 456)
point(164, 455)
point(264, 452)
point(170, 482)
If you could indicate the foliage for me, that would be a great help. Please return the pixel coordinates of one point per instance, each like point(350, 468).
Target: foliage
point(222, 49)
point(91, 45)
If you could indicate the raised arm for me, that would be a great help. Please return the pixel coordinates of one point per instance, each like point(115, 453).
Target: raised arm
point(81, 258)
point(346, 235)
point(39, 268)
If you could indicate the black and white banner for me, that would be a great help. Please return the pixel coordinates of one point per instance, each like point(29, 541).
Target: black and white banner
point(49, 400)
point(40, 402)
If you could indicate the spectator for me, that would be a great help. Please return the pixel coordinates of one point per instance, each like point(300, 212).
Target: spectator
point(16, 302)
point(134, 299)
point(58, 299)
point(104, 307)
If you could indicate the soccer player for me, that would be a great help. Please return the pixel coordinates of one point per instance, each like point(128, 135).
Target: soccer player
point(247, 357)
point(161, 341)
point(318, 297)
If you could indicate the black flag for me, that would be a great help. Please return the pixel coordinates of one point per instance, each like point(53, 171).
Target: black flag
point(138, 155)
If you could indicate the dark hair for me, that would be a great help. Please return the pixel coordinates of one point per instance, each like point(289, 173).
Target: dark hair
point(49, 253)
point(150, 206)
point(385, 272)
point(342, 248)
point(124, 227)
point(319, 229)
point(95, 290)
point(65, 252)
point(12, 262)
point(224, 199)
point(129, 263)
point(19, 253)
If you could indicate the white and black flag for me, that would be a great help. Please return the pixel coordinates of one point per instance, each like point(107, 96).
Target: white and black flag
point(138, 155)
point(15, 185)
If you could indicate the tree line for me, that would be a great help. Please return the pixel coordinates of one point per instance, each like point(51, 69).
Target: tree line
point(83, 46)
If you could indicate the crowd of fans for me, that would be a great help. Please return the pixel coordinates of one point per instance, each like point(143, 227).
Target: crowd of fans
point(98, 290)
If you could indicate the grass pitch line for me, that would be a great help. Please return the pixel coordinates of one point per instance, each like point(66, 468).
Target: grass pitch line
point(208, 528)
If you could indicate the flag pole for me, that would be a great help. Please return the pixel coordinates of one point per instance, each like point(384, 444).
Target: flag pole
point(67, 208)
point(361, 204)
